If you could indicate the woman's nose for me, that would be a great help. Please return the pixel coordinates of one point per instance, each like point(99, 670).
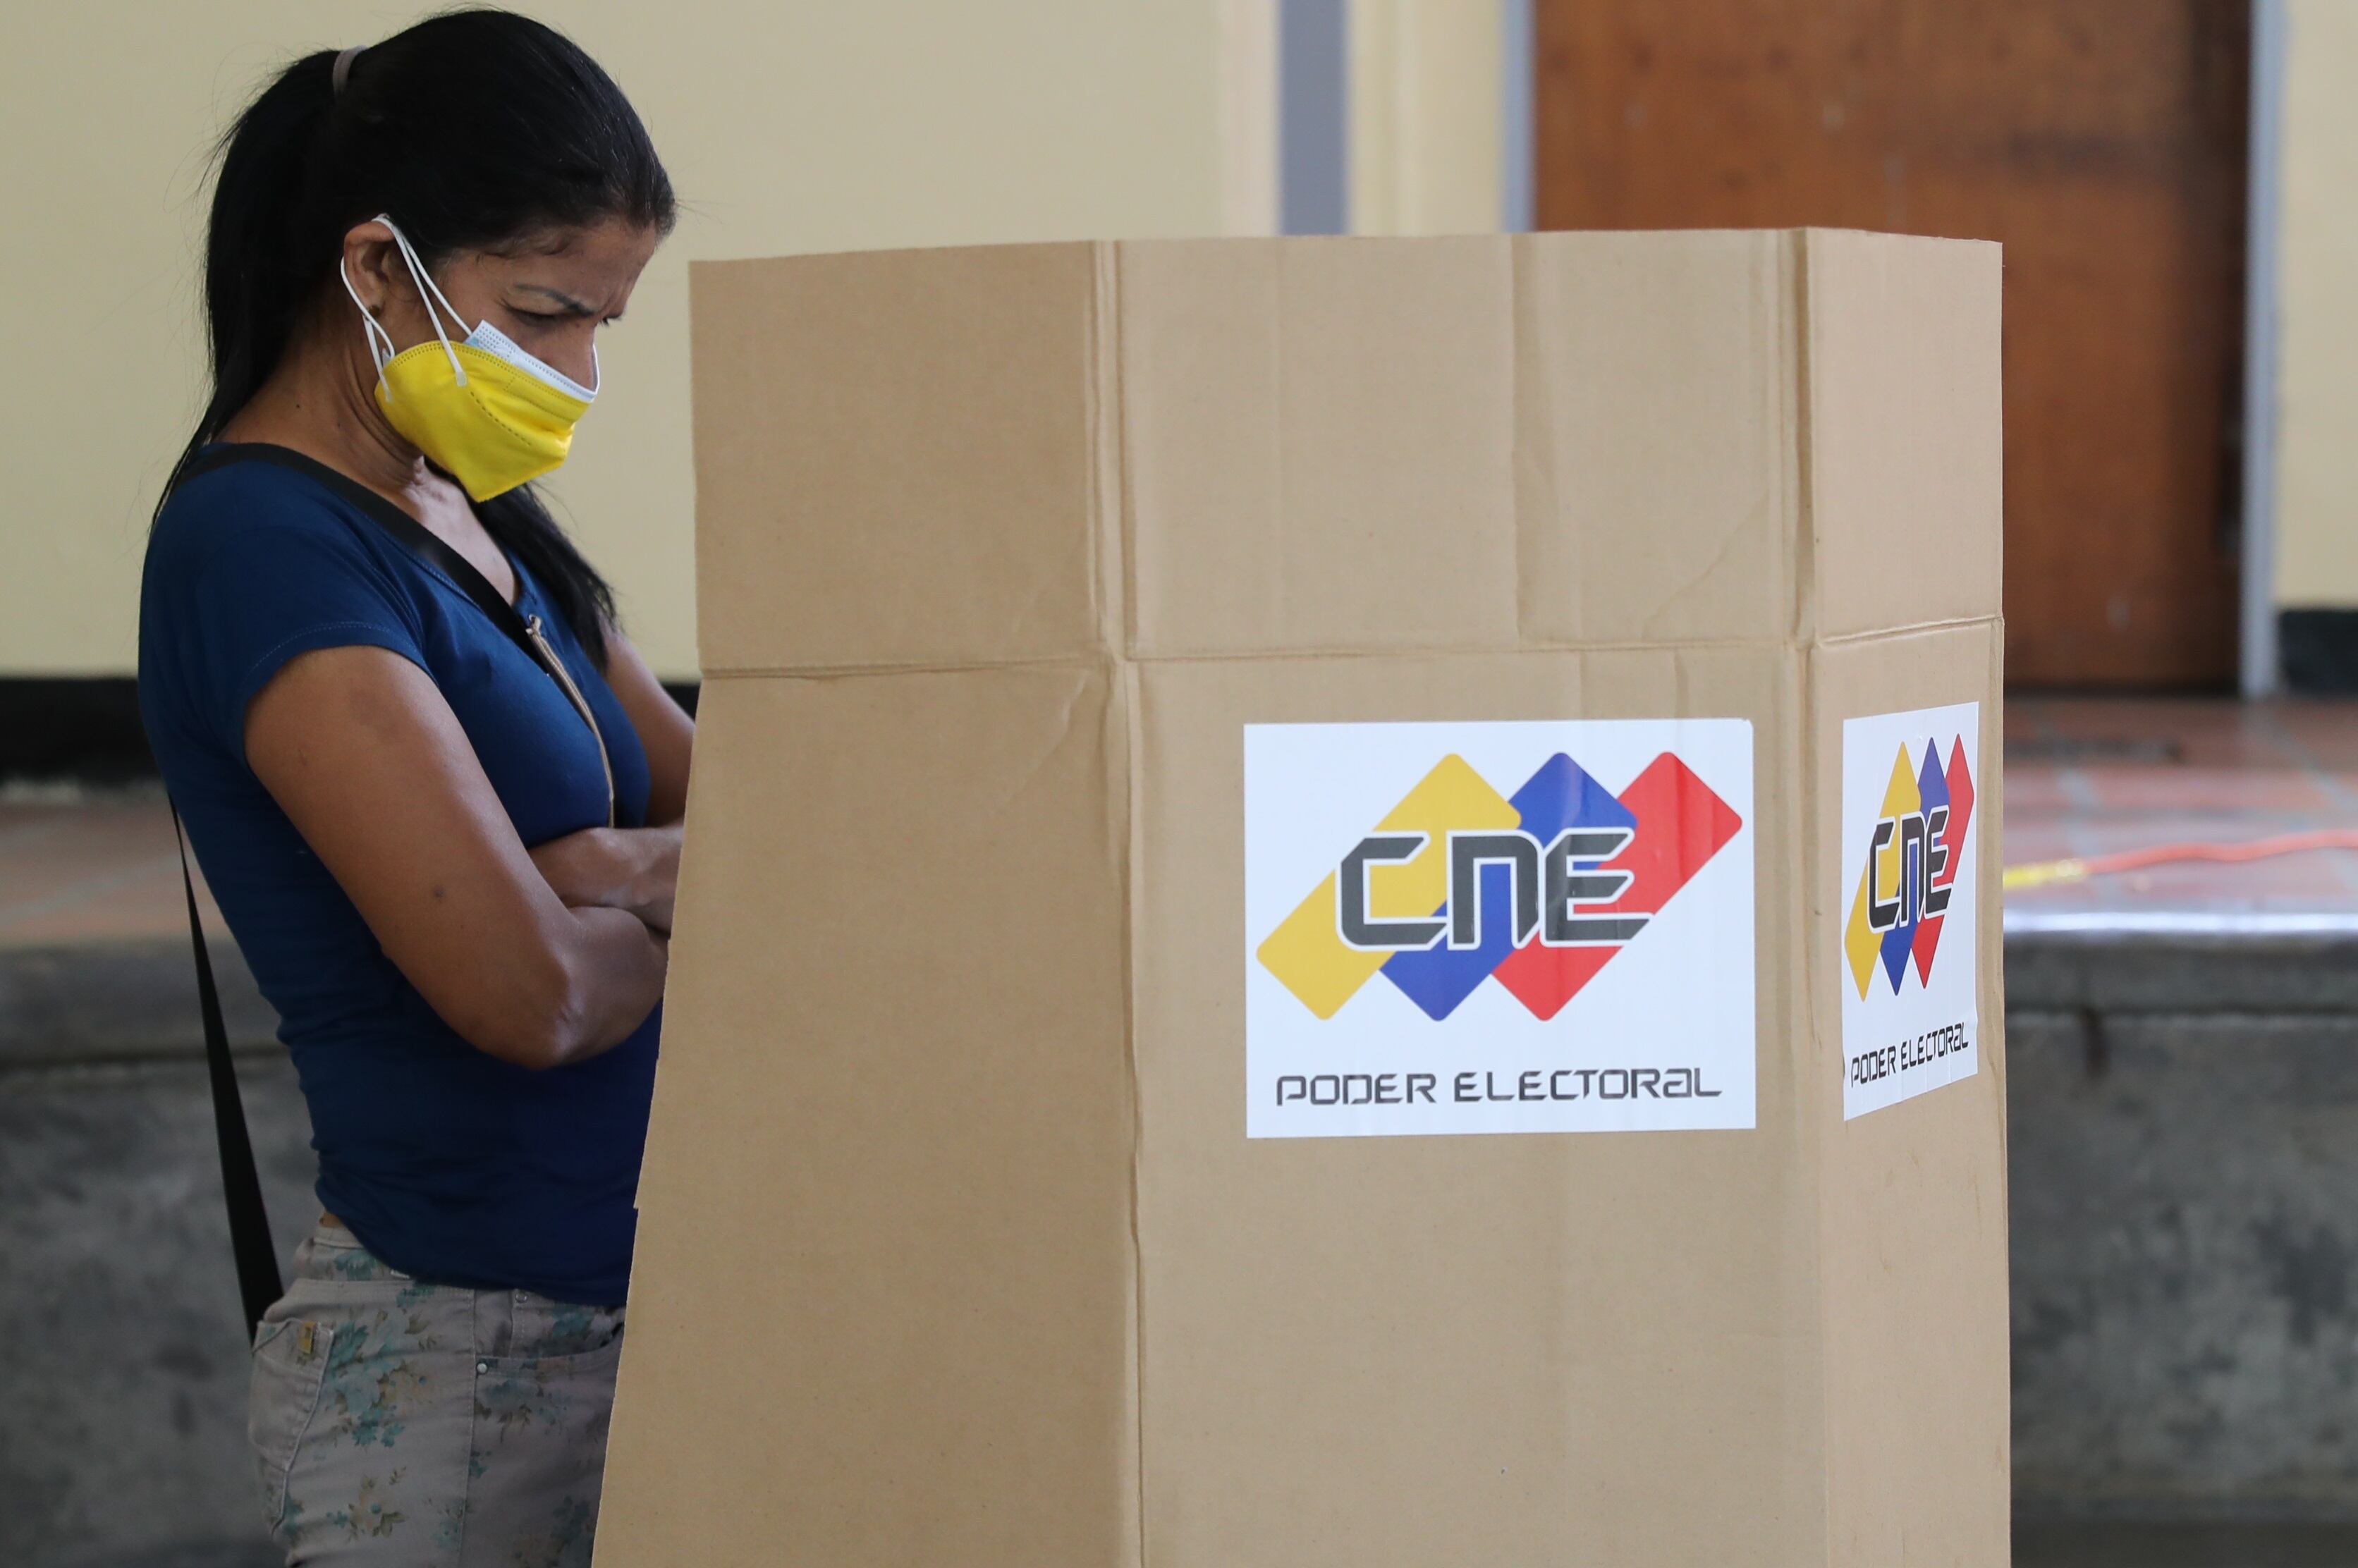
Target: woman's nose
point(578, 359)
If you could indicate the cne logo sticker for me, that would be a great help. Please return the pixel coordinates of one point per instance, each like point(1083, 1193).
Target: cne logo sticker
point(1915, 850)
point(1910, 1001)
point(1370, 1000)
point(1537, 889)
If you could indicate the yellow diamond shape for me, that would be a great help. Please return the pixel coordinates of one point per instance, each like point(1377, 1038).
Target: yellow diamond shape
point(1861, 942)
point(1901, 796)
point(1306, 952)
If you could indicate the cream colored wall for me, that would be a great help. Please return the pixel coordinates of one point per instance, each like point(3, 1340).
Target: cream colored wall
point(788, 125)
point(2317, 407)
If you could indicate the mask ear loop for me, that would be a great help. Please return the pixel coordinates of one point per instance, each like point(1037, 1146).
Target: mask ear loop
point(428, 293)
point(379, 356)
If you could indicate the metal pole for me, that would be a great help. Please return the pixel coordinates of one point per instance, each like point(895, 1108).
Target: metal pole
point(1313, 117)
point(2263, 220)
point(1518, 131)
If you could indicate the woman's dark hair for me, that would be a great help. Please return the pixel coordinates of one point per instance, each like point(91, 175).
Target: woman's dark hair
point(475, 130)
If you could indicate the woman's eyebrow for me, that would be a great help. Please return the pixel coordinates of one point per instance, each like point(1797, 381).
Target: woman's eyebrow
point(572, 306)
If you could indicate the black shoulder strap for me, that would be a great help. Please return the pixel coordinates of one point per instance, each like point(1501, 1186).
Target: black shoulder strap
point(249, 1221)
point(258, 1282)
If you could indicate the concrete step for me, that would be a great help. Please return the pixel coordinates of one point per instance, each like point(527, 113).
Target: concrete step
point(2182, 1545)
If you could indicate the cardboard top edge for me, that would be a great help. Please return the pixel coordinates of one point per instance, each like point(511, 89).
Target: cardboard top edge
point(731, 264)
point(1540, 237)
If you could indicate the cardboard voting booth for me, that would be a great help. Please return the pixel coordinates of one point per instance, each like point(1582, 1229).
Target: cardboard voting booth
point(1341, 907)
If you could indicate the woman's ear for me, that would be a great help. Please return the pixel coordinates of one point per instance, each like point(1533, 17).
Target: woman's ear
point(373, 268)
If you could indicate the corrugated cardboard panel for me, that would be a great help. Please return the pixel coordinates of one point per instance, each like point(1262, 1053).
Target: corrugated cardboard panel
point(955, 1248)
point(1915, 1226)
point(1317, 437)
point(1656, 452)
point(1903, 426)
point(893, 458)
point(1472, 1349)
point(882, 1308)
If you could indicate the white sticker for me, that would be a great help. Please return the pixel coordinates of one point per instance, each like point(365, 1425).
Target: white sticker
point(1533, 926)
point(1911, 980)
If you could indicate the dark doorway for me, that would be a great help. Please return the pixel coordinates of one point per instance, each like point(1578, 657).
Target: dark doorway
point(2103, 141)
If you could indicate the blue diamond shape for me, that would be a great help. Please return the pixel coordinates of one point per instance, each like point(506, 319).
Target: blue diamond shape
point(1559, 795)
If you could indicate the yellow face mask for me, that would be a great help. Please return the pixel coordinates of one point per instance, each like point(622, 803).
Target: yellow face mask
point(482, 410)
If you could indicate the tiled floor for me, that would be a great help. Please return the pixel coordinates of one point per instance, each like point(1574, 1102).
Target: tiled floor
point(2083, 776)
point(97, 867)
point(2089, 776)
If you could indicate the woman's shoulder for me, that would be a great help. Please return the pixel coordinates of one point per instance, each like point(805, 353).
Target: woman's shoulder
point(264, 543)
point(250, 564)
point(221, 499)
point(255, 515)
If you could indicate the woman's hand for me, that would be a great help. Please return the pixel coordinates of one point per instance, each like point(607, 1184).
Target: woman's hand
point(633, 868)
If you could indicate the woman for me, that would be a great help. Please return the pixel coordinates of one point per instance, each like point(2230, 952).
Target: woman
point(434, 790)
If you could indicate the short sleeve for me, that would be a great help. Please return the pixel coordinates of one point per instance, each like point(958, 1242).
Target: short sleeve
point(249, 567)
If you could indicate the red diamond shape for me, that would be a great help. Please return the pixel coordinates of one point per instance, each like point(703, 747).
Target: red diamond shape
point(1960, 811)
point(1680, 826)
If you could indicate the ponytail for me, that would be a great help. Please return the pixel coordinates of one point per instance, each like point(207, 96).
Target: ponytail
point(475, 130)
point(258, 275)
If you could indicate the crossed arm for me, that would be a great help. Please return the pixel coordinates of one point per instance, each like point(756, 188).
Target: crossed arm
point(540, 958)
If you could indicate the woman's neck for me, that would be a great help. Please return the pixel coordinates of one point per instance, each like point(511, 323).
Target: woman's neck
point(319, 401)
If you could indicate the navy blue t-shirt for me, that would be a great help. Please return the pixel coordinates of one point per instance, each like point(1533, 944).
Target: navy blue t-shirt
point(448, 1163)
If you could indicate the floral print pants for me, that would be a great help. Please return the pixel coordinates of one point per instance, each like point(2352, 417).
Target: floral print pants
point(429, 1426)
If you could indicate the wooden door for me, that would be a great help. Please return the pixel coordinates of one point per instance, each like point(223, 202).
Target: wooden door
point(2103, 141)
